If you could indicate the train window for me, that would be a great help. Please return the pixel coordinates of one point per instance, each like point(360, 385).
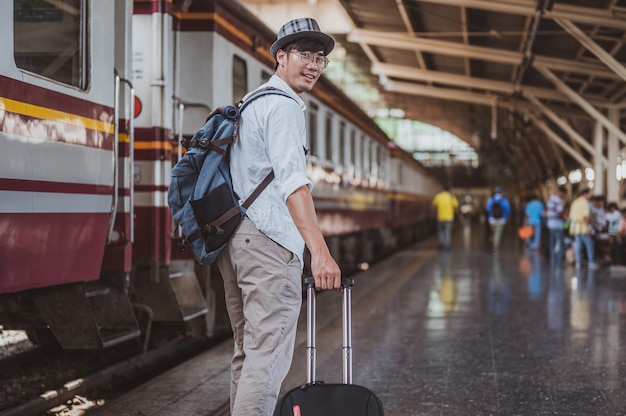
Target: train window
point(265, 76)
point(374, 160)
point(50, 39)
point(240, 78)
point(377, 156)
point(352, 149)
point(329, 137)
point(312, 129)
point(366, 155)
point(382, 162)
point(343, 152)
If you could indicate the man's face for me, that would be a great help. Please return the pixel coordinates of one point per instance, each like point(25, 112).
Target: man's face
point(299, 69)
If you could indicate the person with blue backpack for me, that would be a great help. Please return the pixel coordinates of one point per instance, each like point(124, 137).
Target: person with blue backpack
point(498, 211)
point(534, 210)
point(263, 261)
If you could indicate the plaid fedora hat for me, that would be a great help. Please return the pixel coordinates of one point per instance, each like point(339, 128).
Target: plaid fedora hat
point(302, 28)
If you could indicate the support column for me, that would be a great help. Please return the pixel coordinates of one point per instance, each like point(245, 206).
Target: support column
point(598, 144)
point(612, 184)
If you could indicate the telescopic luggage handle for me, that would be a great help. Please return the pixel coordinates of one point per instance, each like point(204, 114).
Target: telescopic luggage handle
point(346, 284)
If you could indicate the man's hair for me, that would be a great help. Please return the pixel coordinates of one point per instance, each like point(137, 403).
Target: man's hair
point(302, 45)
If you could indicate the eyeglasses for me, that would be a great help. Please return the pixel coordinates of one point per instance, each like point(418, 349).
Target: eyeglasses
point(308, 58)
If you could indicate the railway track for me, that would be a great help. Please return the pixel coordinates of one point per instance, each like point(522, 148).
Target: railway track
point(44, 381)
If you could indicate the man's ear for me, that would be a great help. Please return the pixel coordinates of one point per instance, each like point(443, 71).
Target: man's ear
point(281, 57)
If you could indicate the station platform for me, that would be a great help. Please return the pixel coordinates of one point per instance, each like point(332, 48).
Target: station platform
point(467, 331)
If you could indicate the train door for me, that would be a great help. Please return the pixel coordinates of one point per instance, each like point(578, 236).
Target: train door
point(172, 289)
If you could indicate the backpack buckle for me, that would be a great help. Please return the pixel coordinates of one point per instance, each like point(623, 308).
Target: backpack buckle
point(212, 229)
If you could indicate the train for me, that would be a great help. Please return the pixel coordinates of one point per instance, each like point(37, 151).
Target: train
point(94, 102)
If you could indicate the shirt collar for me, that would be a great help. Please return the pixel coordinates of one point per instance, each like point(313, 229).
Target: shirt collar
point(277, 82)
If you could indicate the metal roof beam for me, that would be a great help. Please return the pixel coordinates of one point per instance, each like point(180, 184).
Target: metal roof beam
point(403, 41)
point(593, 47)
point(560, 142)
point(594, 113)
point(573, 134)
point(587, 15)
point(442, 93)
point(411, 73)
point(463, 96)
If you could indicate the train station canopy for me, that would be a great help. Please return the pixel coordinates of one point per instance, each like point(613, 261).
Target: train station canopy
point(536, 86)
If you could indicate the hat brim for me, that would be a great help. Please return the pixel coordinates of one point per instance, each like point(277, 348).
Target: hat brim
point(327, 41)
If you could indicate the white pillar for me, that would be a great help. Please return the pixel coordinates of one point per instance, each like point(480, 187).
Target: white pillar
point(612, 184)
point(598, 142)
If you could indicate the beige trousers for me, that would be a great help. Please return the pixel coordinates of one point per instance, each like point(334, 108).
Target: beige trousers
point(263, 287)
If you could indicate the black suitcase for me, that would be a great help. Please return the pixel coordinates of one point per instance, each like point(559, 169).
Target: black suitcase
point(316, 398)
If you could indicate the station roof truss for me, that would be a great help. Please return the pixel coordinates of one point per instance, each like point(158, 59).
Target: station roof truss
point(525, 82)
point(528, 76)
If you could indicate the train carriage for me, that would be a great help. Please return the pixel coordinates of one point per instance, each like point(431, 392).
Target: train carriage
point(64, 155)
point(94, 101)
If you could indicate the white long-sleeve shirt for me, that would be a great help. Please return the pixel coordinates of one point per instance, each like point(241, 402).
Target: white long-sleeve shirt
point(272, 135)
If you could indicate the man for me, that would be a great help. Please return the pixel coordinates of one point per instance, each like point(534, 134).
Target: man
point(498, 210)
point(555, 207)
point(579, 215)
point(262, 264)
point(446, 204)
point(597, 219)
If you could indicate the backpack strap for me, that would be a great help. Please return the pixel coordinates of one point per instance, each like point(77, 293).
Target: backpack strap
point(259, 93)
point(270, 176)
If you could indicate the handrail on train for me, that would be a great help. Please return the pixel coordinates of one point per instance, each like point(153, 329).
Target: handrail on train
point(181, 115)
point(181, 109)
point(116, 141)
point(131, 159)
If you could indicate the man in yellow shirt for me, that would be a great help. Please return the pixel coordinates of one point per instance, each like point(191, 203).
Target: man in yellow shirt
point(579, 227)
point(446, 204)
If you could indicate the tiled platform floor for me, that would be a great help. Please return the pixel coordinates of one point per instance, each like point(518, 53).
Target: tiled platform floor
point(459, 332)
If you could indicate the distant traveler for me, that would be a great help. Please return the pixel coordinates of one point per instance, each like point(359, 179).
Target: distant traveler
point(263, 262)
point(555, 212)
point(534, 209)
point(446, 204)
point(613, 218)
point(597, 219)
point(498, 211)
point(619, 243)
point(580, 228)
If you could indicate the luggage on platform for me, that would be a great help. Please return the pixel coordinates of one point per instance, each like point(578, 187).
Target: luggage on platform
point(316, 398)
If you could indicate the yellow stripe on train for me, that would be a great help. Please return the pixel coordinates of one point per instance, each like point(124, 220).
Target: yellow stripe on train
point(44, 113)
